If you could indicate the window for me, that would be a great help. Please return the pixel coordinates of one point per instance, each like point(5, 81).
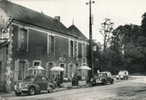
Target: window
point(83, 50)
point(23, 39)
point(79, 50)
point(71, 49)
point(84, 61)
point(0, 68)
point(36, 63)
point(51, 45)
point(76, 49)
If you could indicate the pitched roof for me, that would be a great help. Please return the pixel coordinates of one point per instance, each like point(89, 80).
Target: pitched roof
point(76, 32)
point(28, 16)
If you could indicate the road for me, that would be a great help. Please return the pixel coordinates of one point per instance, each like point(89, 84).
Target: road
point(132, 89)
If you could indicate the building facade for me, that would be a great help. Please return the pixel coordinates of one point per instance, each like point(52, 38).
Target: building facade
point(35, 39)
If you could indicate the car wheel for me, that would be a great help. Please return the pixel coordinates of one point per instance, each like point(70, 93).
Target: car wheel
point(32, 91)
point(112, 81)
point(103, 81)
point(50, 89)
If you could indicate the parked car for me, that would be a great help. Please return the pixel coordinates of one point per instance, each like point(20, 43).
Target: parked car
point(103, 78)
point(33, 85)
point(123, 75)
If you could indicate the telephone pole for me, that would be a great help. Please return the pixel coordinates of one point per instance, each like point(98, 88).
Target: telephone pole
point(90, 37)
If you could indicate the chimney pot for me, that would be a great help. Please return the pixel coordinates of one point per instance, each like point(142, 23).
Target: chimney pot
point(57, 18)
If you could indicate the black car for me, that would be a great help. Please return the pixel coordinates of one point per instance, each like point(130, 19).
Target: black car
point(102, 78)
point(33, 85)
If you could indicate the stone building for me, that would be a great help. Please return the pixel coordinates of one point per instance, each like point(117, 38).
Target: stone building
point(35, 39)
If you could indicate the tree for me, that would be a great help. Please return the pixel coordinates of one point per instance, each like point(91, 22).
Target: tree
point(142, 39)
point(129, 40)
point(106, 31)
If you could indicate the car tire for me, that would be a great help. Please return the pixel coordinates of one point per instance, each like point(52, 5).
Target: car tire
point(112, 81)
point(50, 90)
point(104, 82)
point(32, 91)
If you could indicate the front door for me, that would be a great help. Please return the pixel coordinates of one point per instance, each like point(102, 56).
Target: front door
point(62, 73)
point(21, 74)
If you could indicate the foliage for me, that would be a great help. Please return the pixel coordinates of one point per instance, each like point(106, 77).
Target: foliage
point(106, 31)
point(127, 48)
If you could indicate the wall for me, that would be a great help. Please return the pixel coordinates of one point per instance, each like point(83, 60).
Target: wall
point(37, 49)
point(3, 58)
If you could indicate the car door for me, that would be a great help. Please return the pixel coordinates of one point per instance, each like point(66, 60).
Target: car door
point(42, 82)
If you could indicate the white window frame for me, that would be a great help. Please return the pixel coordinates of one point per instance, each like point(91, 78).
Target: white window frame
point(40, 62)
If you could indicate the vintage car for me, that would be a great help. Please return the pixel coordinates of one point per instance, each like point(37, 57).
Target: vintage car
point(123, 75)
point(33, 85)
point(102, 78)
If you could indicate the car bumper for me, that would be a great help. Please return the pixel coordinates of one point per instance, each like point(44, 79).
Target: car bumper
point(21, 90)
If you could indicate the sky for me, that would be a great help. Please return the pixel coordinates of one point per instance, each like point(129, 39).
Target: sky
point(76, 12)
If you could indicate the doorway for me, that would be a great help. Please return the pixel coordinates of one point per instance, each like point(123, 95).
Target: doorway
point(22, 70)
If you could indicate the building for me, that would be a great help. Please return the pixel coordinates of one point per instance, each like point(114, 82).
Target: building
point(36, 39)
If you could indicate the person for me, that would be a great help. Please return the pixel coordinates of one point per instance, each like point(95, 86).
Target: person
point(58, 81)
point(75, 80)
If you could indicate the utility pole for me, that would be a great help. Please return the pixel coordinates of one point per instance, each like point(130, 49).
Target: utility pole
point(90, 37)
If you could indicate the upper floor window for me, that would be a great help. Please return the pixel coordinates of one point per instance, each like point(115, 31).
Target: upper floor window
point(84, 60)
point(22, 39)
point(84, 49)
point(71, 48)
point(80, 50)
point(75, 49)
point(51, 45)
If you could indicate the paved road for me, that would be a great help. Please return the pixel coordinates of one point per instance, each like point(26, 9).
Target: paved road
point(92, 93)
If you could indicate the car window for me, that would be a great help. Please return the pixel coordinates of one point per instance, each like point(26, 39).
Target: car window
point(38, 79)
point(29, 78)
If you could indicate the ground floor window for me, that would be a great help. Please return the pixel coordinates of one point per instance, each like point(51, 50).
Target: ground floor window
point(36, 63)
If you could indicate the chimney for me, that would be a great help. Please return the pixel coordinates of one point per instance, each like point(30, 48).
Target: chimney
point(57, 18)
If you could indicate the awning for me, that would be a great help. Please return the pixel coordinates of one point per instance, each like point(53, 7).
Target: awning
point(57, 68)
point(36, 68)
point(85, 68)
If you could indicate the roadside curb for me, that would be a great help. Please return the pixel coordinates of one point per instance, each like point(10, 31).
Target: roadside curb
point(6, 94)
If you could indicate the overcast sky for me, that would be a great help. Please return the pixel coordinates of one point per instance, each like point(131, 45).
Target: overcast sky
point(76, 11)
